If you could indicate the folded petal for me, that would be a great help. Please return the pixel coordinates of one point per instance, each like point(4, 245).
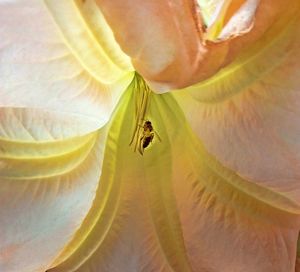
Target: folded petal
point(161, 37)
point(166, 39)
point(248, 114)
point(49, 171)
point(39, 70)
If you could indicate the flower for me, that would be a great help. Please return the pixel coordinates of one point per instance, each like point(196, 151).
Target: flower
point(219, 192)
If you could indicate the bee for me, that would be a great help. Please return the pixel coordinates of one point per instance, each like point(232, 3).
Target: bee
point(147, 137)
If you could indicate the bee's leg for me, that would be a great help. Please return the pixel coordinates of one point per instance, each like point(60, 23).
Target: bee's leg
point(141, 149)
point(137, 142)
point(151, 137)
point(158, 137)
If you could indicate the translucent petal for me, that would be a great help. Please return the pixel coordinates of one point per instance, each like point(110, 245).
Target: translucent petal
point(176, 208)
point(49, 171)
point(38, 70)
point(248, 114)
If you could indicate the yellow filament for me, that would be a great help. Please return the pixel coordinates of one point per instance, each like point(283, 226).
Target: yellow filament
point(141, 95)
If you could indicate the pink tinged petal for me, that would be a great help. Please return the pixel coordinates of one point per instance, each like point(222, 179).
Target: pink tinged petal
point(39, 70)
point(49, 171)
point(161, 37)
point(248, 114)
point(226, 229)
point(166, 42)
point(133, 224)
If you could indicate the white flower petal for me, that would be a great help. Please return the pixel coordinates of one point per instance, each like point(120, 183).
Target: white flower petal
point(49, 172)
point(38, 70)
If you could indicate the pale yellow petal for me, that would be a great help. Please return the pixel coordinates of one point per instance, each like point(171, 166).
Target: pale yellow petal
point(133, 224)
point(90, 39)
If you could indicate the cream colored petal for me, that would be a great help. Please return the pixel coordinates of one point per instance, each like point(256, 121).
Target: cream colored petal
point(49, 171)
point(248, 114)
point(38, 69)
